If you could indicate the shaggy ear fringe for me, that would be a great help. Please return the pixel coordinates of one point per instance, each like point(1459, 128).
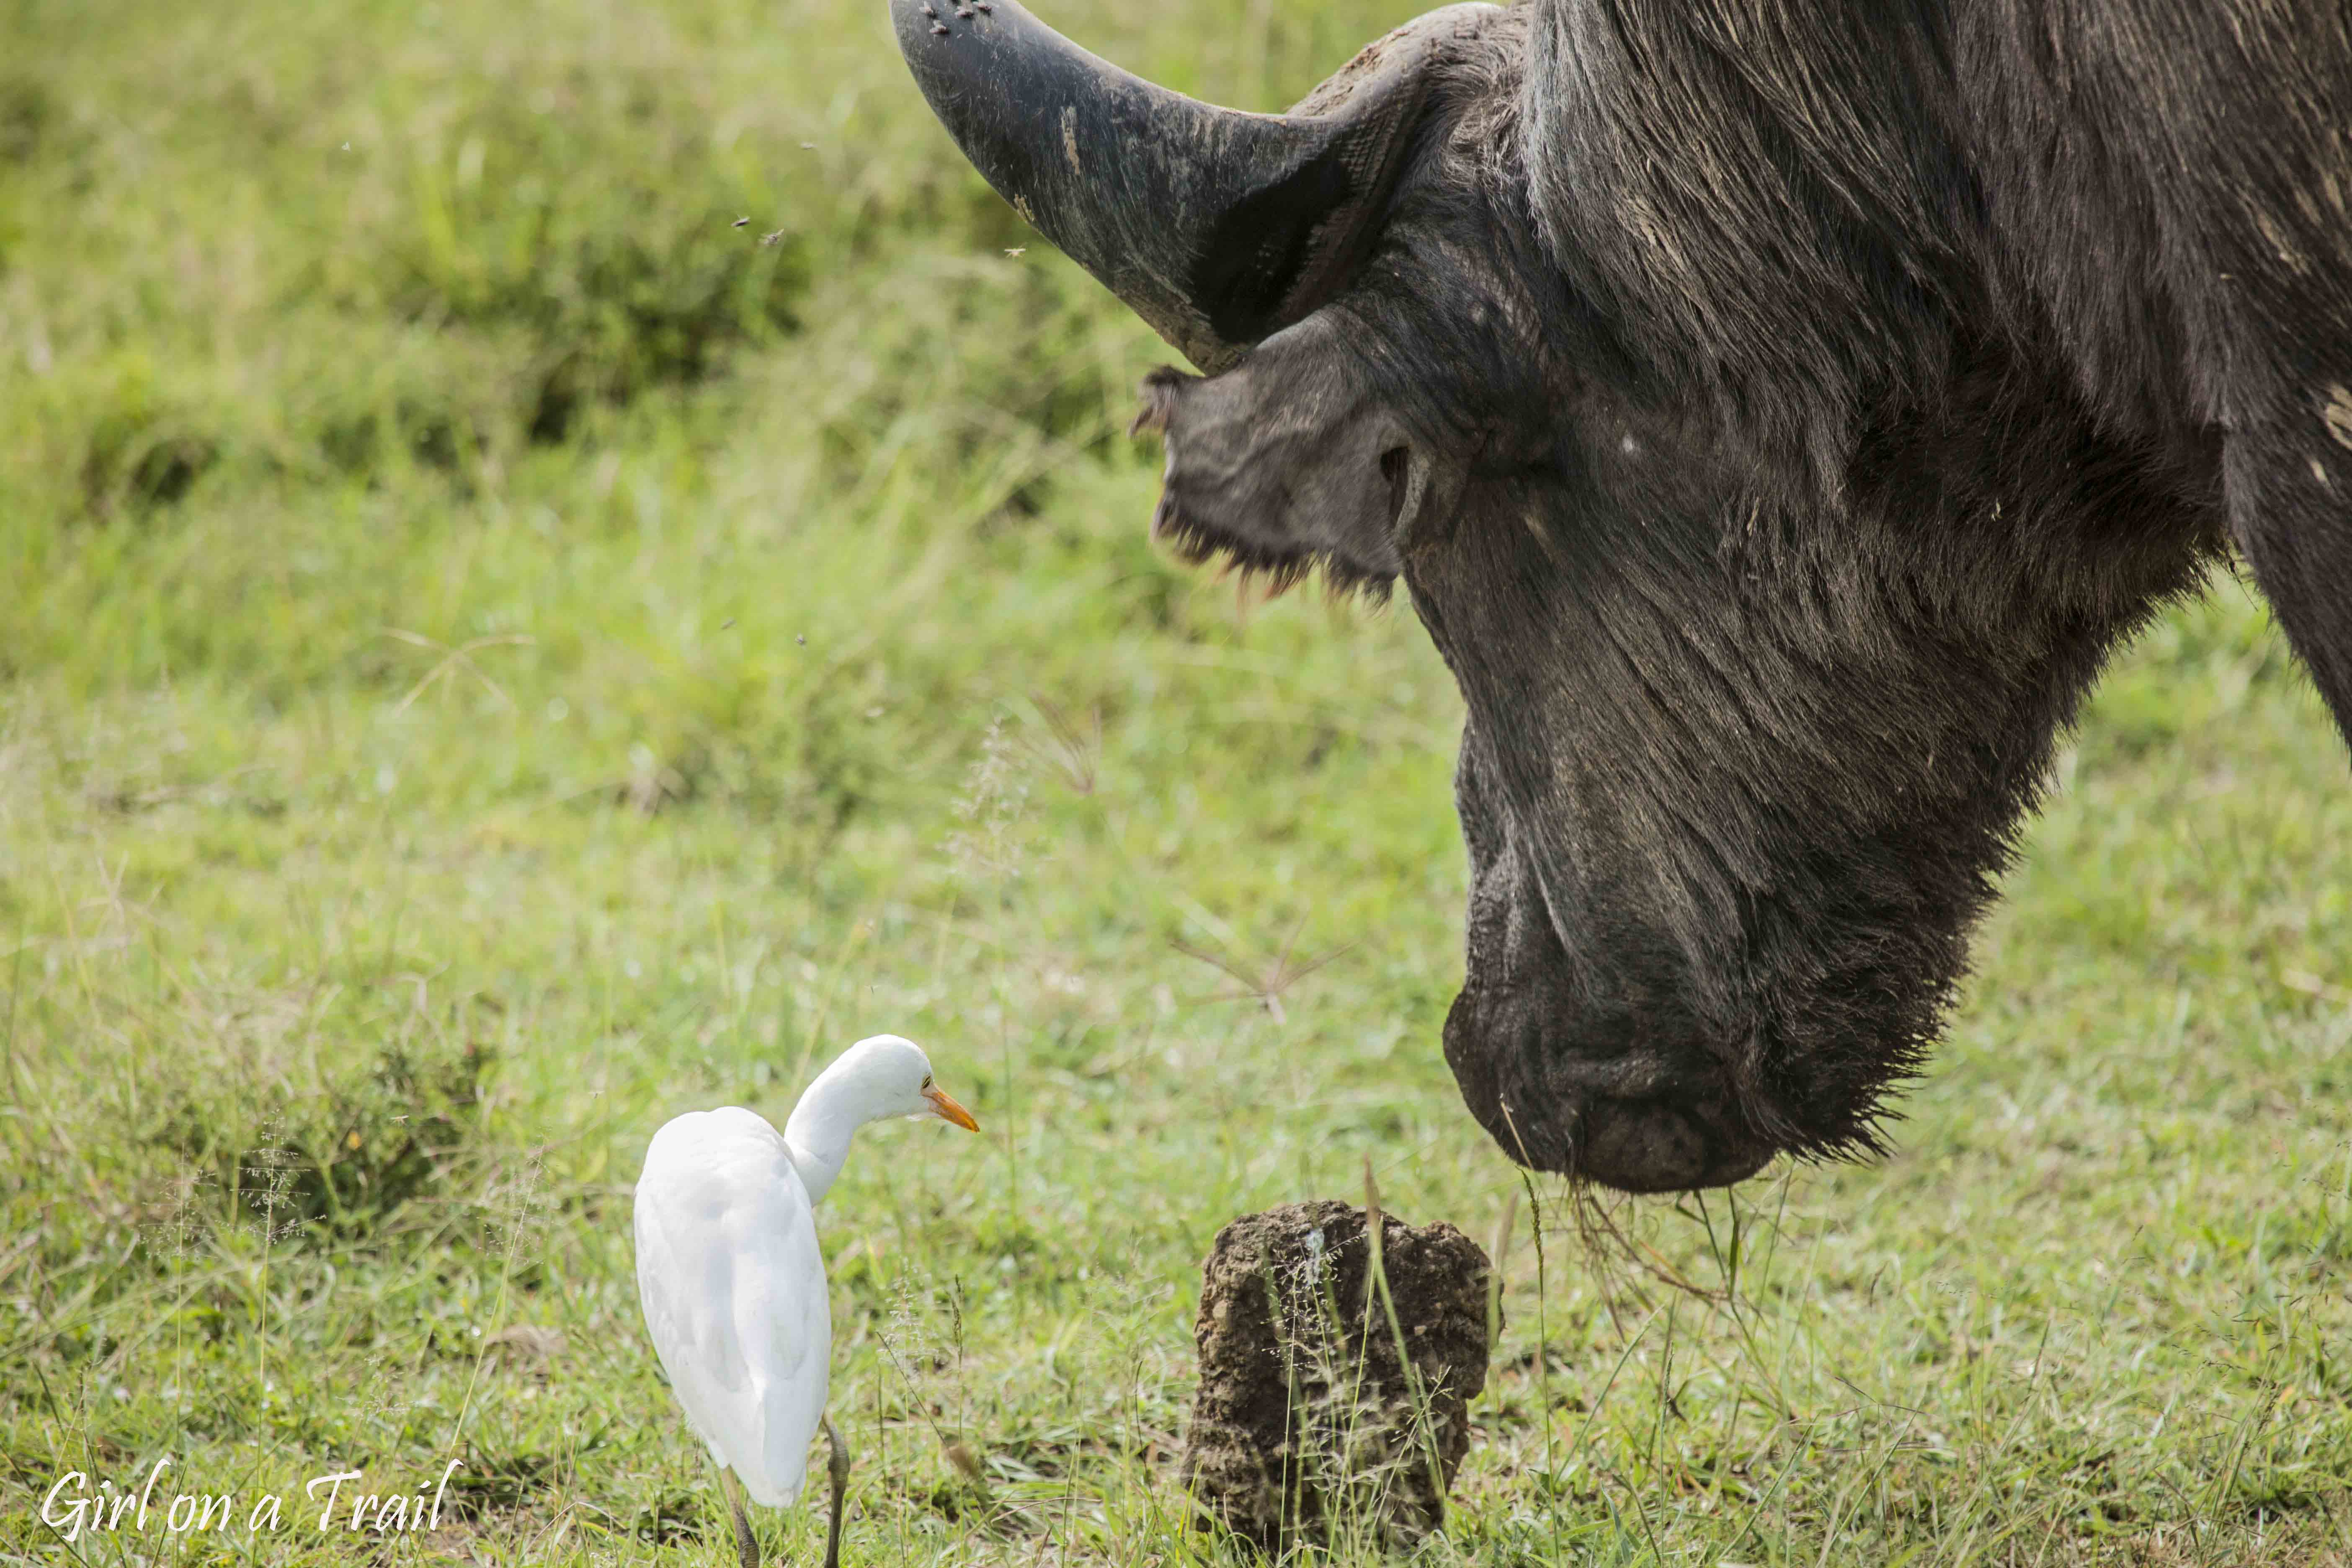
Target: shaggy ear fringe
point(1259, 570)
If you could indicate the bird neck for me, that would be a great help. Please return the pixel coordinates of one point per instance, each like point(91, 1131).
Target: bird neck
point(828, 1115)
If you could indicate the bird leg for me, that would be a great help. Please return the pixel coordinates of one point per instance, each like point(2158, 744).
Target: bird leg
point(747, 1545)
point(838, 1469)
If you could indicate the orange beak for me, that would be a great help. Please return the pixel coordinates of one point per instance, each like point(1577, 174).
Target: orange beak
point(949, 1110)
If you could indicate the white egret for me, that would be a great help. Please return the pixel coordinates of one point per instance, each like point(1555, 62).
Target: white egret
point(732, 1282)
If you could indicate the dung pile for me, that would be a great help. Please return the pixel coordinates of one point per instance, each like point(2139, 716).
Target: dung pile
point(1309, 1424)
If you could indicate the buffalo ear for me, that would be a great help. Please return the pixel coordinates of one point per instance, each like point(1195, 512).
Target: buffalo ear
point(1285, 462)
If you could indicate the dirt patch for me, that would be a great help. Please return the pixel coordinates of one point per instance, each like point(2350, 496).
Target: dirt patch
point(1309, 1424)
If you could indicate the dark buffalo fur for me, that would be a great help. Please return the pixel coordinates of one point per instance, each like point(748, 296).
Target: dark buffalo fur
point(1777, 413)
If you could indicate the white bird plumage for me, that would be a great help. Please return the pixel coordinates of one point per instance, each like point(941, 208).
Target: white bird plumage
point(731, 1276)
point(726, 1254)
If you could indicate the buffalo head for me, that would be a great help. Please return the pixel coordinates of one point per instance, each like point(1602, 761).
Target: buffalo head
point(1768, 562)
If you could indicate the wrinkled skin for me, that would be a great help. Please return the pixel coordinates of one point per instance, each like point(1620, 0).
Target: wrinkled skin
point(1776, 422)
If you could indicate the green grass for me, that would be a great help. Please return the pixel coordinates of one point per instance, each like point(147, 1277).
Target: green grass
point(491, 656)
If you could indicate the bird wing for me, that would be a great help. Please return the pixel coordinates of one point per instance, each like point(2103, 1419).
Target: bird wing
point(734, 1293)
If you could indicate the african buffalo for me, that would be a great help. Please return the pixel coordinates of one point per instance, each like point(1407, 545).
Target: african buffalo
point(1777, 411)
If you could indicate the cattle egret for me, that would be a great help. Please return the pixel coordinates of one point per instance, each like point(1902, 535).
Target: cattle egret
point(732, 1282)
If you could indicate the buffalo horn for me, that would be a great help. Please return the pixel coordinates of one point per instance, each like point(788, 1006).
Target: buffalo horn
point(1218, 227)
